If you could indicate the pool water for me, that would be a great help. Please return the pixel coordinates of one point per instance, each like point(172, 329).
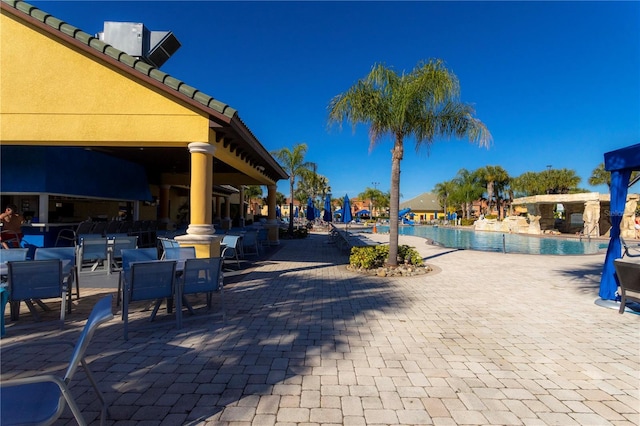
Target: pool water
point(493, 241)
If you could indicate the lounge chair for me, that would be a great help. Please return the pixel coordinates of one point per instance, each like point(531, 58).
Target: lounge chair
point(41, 399)
point(629, 280)
point(630, 250)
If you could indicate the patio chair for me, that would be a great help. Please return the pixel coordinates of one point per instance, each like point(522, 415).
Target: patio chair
point(69, 269)
point(153, 280)
point(10, 256)
point(128, 257)
point(629, 250)
point(166, 243)
point(93, 249)
point(121, 242)
point(41, 399)
point(629, 280)
point(203, 275)
point(250, 243)
point(33, 280)
point(179, 253)
point(232, 249)
point(10, 238)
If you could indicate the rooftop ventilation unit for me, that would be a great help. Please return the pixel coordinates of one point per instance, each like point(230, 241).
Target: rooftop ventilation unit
point(153, 47)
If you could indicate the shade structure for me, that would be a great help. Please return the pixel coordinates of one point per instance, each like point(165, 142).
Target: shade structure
point(327, 209)
point(311, 211)
point(620, 163)
point(346, 207)
point(363, 212)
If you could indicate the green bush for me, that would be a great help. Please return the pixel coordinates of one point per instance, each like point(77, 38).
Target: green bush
point(467, 222)
point(373, 257)
point(491, 216)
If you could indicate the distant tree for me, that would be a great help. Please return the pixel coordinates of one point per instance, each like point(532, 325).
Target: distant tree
point(253, 192)
point(468, 188)
point(600, 176)
point(423, 104)
point(496, 179)
point(294, 164)
point(444, 191)
point(560, 181)
point(375, 197)
point(552, 181)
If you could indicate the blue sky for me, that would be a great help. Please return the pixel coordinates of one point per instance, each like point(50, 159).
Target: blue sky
point(556, 83)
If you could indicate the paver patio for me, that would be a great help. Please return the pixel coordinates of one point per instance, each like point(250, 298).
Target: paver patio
point(486, 338)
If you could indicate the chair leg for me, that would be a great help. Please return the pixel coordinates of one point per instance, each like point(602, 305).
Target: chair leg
point(103, 413)
point(623, 300)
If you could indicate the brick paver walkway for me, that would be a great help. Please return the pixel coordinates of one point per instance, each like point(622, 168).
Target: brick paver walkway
point(486, 338)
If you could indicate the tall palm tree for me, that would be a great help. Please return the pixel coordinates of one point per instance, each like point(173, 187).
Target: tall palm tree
point(373, 195)
point(469, 188)
point(423, 104)
point(294, 164)
point(445, 191)
point(495, 178)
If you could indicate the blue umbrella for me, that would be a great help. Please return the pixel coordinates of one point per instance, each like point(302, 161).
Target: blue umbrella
point(363, 212)
point(278, 214)
point(295, 212)
point(327, 209)
point(311, 214)
point(346, 217)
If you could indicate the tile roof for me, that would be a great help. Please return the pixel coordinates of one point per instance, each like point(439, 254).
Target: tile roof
point(427, 201)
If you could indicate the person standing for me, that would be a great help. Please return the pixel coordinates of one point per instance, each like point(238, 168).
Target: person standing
point(11, 221)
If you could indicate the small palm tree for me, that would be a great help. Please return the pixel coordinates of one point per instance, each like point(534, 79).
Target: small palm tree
point(423, 104)
point(294, 164)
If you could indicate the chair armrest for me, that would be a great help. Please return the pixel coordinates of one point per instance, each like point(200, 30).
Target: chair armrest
point(35, 379)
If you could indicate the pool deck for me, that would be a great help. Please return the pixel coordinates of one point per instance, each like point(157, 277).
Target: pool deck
point(485, 338)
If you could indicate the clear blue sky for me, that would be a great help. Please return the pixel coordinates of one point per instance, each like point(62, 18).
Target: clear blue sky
point(556, 83)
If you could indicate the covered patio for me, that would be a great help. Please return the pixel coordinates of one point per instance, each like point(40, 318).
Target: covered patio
point(75, 91)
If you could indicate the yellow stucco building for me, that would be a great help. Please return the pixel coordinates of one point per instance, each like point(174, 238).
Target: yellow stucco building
point(73, 90)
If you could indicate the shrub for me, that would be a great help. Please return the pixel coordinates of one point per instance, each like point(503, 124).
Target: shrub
point(467, 222)
point(373, 257)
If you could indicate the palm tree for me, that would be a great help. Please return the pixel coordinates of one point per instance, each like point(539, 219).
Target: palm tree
point(495, 178)
point(469, 188)
point(424, 104)
point(373, 195)
point(253, 192)
point(293, 162)
point(445, 191)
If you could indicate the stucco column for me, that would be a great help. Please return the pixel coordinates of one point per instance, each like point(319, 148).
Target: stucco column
point(200, 233)
point(272, 221)
point(164, 203)
point(242, 208)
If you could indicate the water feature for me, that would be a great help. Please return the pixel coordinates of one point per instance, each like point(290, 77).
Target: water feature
point(498, 241)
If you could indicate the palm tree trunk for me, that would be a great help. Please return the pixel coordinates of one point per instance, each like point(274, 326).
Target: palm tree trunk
point(291, 181)
point(394, 202)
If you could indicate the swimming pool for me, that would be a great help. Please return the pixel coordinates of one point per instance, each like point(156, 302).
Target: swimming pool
point(493, 241)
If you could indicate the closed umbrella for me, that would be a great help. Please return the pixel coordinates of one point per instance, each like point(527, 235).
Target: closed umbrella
point(311, 213)
point(327, 209)
point(346, 216)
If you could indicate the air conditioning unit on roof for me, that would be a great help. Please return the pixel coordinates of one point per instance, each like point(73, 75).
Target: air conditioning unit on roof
point(133, 38)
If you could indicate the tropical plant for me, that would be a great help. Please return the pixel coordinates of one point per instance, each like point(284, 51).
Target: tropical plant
point(468, 188)
point(496, 179)
point(253, 192)
point(600, 176)
point(294, 164)
point(375, 197)
point(423, 104)
point(444, 191)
